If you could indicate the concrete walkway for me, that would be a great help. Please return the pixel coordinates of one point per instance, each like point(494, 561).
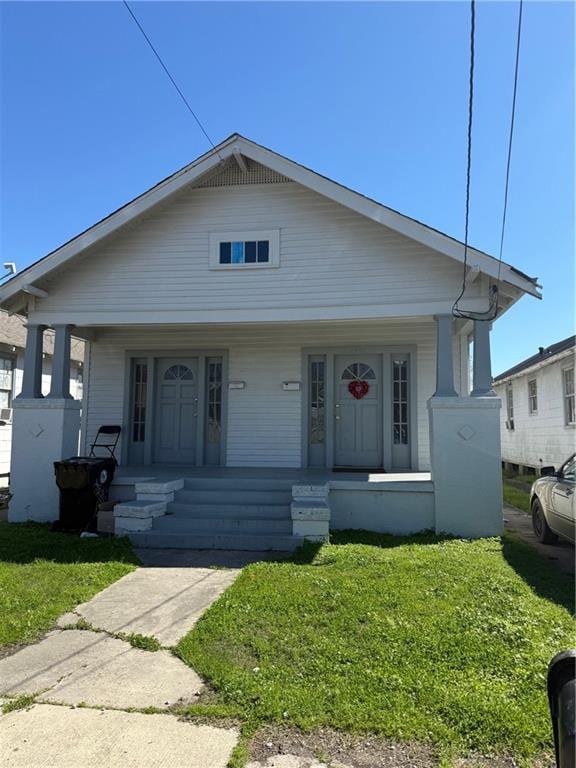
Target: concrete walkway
point(88, 662)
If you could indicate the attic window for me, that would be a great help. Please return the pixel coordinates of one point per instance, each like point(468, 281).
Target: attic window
point(245, 250)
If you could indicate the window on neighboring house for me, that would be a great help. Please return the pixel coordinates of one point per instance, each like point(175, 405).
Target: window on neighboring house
point(244, 250)
point(568, 391)
point(6, 381)
point(532, 396)
point(509, 406)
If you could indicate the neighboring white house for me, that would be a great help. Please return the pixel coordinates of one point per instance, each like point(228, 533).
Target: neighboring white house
point(249, 313)
point(538, 419)
point(12, 344)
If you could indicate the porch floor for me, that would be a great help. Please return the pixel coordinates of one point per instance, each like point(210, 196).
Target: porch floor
point(296, 476)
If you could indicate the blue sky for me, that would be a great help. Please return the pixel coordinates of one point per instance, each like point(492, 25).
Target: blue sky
point(370, 94)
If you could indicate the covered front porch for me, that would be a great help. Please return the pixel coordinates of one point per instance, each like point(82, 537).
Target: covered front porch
point(369, 419)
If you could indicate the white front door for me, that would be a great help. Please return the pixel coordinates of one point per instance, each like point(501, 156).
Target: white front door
point(358, 411)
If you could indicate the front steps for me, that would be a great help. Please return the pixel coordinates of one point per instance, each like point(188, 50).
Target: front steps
point(223, 513)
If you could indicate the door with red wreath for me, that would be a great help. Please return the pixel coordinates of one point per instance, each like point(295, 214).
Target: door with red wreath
point(358, 411)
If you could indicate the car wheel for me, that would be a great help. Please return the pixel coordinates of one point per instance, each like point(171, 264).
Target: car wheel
point(542, 530)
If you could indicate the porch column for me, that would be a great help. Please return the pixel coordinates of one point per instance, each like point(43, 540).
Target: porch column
point(60, 385)
point(482, 384)
point(32, 377)
point(444, 360)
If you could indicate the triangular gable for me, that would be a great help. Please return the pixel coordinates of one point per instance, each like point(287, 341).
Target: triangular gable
point(244, 160)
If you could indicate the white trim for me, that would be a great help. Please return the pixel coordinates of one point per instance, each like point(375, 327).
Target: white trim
point(536, 366)
point(271, 235)
point(34, 291)
point(254, 315)
point(324, 186)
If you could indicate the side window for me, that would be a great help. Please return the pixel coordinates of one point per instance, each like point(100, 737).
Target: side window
point(568, 392)
point(569, 470)
point(532, 396)
point(509, 406)
point(6, 381)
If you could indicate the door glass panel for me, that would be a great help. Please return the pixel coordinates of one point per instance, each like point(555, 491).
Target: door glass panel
point(140, 388)
point(214, 424)
point(400, 401)
point(358, 371)
point(317, 401)
point(179, 372)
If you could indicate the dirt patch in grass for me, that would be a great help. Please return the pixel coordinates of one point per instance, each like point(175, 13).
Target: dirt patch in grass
point(338, 748)
point(331, 746)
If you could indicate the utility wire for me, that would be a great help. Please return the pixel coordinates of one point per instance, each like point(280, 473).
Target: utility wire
point(492, 311)
point(455, 309)
point(166, 70)
point(512, 116)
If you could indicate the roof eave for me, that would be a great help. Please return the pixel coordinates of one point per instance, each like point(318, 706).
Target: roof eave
point(300, 174)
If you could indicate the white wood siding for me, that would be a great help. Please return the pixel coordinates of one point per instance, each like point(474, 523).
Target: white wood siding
point(330, 257)
point(264, 422)
point(541, 438)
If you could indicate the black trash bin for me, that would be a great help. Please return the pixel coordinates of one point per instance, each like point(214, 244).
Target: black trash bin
point(84, 483)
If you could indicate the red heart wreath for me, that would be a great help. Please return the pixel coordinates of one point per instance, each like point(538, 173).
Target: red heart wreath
point(358, 389)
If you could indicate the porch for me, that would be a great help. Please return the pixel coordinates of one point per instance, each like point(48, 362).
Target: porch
point(270, 419)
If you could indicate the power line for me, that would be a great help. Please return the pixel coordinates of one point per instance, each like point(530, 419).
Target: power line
point(166, 70)
point(455, 309)
point(512, 116)
point(492, 311)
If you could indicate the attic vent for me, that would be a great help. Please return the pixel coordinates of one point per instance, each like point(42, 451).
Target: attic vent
point(231, 175)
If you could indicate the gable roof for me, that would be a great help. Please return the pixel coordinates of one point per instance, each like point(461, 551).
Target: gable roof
point(544, 354)
point(236, 146)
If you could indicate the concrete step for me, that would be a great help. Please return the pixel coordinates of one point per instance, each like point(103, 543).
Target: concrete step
point(264, 511)
point(239, 483)
point(211, 525)
point(249, 542)
point(233, 496)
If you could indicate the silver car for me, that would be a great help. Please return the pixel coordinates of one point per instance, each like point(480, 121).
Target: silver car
point(552, 503)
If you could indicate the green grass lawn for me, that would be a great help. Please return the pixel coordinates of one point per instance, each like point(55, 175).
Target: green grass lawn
point(419, 639)
point(516, 497)
point(44, 574)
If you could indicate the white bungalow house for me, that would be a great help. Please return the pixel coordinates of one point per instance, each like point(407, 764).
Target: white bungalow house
point(538, 418)
point(280, 353)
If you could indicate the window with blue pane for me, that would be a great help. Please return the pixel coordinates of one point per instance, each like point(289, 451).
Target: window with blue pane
point(245, 252)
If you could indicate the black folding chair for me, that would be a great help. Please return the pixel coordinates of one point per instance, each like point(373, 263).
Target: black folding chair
point(107, 439)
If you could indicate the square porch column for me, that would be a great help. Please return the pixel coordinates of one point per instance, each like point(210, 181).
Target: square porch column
point(32, 376)
point(44, 430)
point(465, 450)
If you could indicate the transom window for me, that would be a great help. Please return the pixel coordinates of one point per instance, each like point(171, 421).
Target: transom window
point(245, 250)
point(178, 372)
point(358, 371)
point(532, 396)
point(568, 391)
